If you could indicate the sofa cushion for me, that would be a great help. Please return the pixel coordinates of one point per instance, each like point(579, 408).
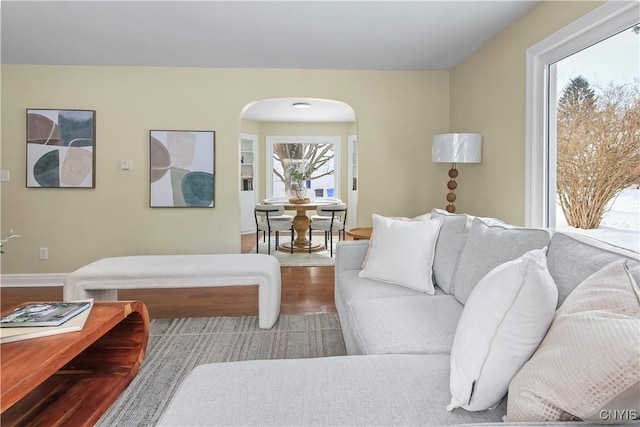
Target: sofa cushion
point(353, 288)
point(502, 324)
point(407, 324)
point(588, 365)
point(329, 391)
point(402, 252)
point(453, 233)
point(349, 288)
point(489, 246)
point(573, 257)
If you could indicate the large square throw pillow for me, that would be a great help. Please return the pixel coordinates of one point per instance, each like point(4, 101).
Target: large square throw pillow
point(588, 365)
point(423, 217)
point(402, 252)
point(505, 319)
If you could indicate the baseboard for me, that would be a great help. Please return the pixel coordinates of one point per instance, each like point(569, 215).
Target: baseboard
point(32, 280)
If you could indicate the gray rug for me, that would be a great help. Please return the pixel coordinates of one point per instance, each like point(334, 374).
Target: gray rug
point(300, 259)
point(176, 346)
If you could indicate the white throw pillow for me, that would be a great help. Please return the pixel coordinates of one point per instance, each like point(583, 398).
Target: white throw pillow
point(402, 252)
point(588, 365)
point(423, 217)
point(505, 319)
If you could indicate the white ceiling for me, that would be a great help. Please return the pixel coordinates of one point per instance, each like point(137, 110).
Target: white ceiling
point(320, 34)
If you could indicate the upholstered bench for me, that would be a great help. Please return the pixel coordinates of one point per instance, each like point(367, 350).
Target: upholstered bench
point(102, 279)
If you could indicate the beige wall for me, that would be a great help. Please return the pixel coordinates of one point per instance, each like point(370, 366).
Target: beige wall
point(250, 126)
point(488, 97)
point(398, 112)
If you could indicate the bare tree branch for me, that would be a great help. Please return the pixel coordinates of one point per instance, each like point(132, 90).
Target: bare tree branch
point(318, 161)
point(598, 148)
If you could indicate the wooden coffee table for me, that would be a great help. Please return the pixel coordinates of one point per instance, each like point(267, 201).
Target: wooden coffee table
point(72, 379)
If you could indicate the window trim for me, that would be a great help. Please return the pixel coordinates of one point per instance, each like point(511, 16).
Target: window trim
point(288, 139)
point(597, 25)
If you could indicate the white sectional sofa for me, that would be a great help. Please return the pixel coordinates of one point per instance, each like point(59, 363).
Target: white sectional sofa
point(400, 340)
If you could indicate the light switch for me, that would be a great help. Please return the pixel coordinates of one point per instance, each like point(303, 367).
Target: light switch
point(4, 176)
point(125, 165)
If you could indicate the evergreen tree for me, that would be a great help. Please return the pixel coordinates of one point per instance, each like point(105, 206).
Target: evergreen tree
point(577, 101)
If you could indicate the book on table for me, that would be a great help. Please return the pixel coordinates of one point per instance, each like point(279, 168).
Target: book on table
point(74, 320)
point(43, 314)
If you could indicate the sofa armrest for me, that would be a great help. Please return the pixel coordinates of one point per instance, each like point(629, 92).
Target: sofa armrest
point(350, 254)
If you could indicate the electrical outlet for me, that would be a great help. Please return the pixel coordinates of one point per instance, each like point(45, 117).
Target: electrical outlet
point(4, 175)
point(44, 253)
point(125, 165)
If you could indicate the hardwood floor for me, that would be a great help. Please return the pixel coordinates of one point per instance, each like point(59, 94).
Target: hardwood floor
point(304, 290)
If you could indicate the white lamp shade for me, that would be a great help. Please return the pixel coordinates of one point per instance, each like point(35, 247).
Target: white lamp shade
point(457, 148)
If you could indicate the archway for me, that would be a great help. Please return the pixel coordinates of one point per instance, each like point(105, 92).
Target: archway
point(303, 119)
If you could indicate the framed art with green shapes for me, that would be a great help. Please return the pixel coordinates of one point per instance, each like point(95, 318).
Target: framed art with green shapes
point(182, 169)
point(61, 148)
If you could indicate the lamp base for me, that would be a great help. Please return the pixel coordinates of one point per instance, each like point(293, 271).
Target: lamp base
point(452, 185)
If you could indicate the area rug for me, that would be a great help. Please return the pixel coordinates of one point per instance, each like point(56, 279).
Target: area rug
point(300, 259)
point(176, 346)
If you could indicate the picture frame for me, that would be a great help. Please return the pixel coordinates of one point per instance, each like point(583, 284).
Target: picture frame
point(182, 169)
point(61, 148)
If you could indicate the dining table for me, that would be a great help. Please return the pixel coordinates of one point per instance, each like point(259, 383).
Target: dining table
point(301, 222)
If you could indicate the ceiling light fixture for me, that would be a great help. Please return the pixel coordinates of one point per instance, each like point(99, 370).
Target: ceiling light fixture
point(301, 105)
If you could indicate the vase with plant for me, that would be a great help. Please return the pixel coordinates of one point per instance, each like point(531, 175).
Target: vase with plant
point(298, 183)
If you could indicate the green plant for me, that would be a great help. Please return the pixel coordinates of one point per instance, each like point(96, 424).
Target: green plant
point(296, 175)
point(10, 236)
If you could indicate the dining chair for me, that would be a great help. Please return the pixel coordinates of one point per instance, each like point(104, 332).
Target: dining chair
point(271, 218)
point(329, 218)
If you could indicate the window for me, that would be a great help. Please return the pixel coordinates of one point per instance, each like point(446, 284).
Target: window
point(312, 161)
point(542, 88)
point(596, 111)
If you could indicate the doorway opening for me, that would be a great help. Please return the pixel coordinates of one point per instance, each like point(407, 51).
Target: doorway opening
point(275, 133)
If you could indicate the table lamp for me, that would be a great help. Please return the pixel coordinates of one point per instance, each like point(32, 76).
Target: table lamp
point(456, 148)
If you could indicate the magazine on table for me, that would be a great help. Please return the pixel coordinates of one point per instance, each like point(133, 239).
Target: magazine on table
point(73, 324)
point(43, 314)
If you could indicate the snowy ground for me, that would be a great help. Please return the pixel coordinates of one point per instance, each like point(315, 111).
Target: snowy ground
point(620, 224)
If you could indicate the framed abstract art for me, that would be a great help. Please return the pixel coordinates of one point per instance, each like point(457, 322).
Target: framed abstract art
point(182, 169)
point(61, 148)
